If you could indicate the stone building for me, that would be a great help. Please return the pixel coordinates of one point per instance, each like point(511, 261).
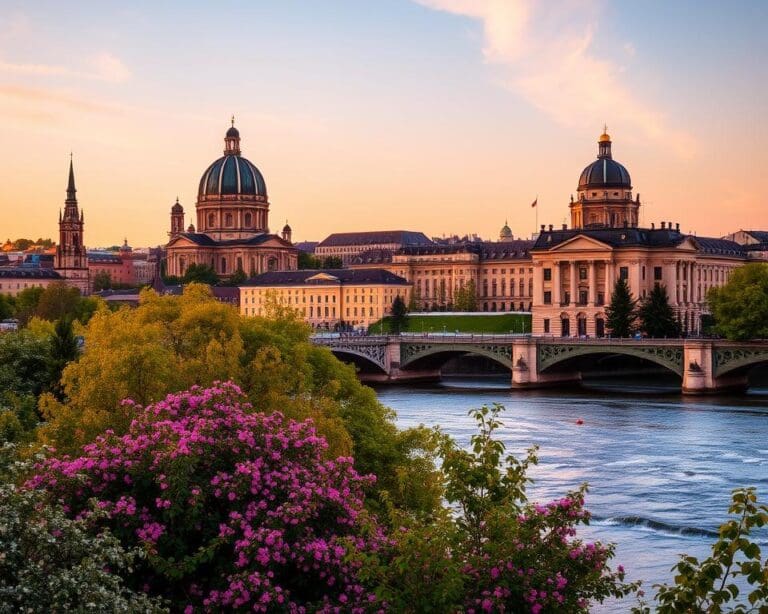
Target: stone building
point(326, 298)
point(231, 229)
point(347, 245)
point(71, 261)
point(500, 272)
point(575, 268)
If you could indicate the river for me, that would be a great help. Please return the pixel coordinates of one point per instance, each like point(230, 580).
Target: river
point(660, 466)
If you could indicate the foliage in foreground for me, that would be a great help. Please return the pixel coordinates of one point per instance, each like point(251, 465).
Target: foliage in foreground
point(170, 343)
point(234, 509)
point(621, 313)
point(711, 585)
point(494, 551)
point(740, 307)
point(51, 563)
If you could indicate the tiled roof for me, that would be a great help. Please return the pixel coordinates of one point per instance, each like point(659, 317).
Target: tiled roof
point(639, 237)
point(502, 250)
point(308, 247)
point(376, 237)
point(22, 272)
point(103, 258)
point(324, 277)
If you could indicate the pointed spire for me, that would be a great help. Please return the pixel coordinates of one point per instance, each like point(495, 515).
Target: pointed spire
point(233, 121)
point(71, 183)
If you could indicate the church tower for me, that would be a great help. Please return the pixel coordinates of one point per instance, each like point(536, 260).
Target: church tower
point(177, 219)
point(71, 257)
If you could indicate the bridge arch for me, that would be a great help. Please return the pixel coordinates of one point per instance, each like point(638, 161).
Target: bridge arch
point(416, 355)
point(670, 357)
point(738, 360)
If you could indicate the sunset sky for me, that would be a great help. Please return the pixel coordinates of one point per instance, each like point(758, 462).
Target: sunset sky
point(446, 116)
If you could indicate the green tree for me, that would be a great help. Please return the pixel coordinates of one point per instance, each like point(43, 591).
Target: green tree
point(26, 303)
point(7, 306)
point(50, 563)
point(23, 244)
point(465, 298)
point(24, 360)
point(64, 349)
point(740, 307)
point(399, 313)
point(333, 262)
point(622, 312)
point(237, 278)
point(657, 318)
point(57, 301)
point(308, 261)
point(102, 281)
point(201, 274)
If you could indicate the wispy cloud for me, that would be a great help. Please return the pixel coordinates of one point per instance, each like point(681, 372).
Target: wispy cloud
point(548, 56)
point(101, 67)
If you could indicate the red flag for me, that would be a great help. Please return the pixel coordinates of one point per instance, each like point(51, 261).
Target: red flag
point(535, 202)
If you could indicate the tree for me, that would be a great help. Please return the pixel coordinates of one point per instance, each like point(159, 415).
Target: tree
point(23, 244)
point(740, 307)
point(64, 349)
point(102, 281)
point(201, 274)
point(57, 301)
point(399, 315)
point(51, 563)
point(7, 306)
point(657, 318)
point(415, 299)
point(308, 261)
point(171, 343)
point(24, 360)
point(26, 303)
point(465, 298)
point(622, 312)
point(333, 262)
point(237, 278)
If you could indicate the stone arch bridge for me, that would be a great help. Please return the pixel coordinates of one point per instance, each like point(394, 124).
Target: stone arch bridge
point(704, 365)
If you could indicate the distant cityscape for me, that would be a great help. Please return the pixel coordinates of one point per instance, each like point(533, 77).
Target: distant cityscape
point(563, 276)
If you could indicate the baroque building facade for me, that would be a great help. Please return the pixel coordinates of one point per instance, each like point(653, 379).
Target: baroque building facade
point(231, 229)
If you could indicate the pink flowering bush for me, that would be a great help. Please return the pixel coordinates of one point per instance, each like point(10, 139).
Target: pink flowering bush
point(235, 509)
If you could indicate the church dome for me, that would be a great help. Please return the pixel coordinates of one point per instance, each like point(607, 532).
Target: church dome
point(232, 175)
point(505, 232)
point(604, 172)
point(177, 208)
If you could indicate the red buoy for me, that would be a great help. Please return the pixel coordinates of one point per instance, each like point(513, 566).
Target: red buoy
point(579, 421)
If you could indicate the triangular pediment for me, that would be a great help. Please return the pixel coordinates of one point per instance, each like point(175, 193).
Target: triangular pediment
point(322, 277)
point(581, 243)
point(689, 243)
point(181, 241)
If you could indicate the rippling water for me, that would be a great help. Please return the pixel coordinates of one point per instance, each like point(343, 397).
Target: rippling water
point(660, 466)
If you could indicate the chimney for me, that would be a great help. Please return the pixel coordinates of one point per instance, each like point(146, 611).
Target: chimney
point(653, 225)
point(542, 228)
point(670, 225)
point(663, 225)
point(565, 226)
point(550, 228)
point(677, 226)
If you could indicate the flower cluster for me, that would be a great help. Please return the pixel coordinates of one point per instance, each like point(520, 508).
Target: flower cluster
point(235, 509)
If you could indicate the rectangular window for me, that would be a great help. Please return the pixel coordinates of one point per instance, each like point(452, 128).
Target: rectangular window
point(546, 325)
point(643, 273)
point(547, 297)
point(624, 273)
point(547, 274)
point(657, 273)
point(582, 297)
point(582, 273)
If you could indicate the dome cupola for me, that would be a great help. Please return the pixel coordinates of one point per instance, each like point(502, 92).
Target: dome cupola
point(505, 232)
point(232, 175)
point(605, 172)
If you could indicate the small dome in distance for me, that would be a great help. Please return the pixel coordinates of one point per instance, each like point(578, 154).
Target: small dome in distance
point(505, 232)
point(286, 228)
point(191, 228)
point(177, 208)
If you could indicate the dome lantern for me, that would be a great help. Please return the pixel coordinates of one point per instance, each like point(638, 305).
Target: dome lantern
point(604, 144)
point(232, 140)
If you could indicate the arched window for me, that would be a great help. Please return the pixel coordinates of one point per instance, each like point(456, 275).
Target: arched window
point(248, 220)
point(211, 220)
point(228, 220)
point(223, 264)
point(272, 264)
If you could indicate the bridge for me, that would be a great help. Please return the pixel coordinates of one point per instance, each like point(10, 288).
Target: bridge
point(703, 365)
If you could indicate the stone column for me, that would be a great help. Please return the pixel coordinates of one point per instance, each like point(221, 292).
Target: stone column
point(538, 284)
point(608, 281)
point(556, 284)
point(592, 283)
point(572, 282)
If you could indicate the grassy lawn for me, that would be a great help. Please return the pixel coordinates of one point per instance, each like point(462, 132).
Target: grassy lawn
point(480, 323)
